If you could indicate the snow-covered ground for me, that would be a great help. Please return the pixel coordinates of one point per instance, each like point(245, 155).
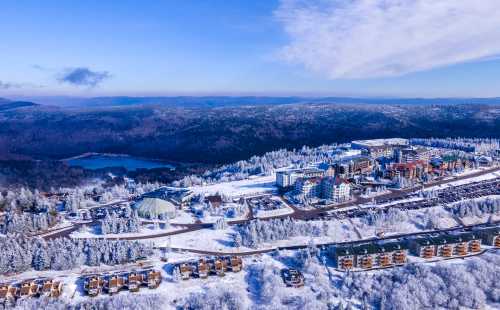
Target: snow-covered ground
point(223, 240)
point(252, 186)
point(261, 214)
point(145, 230)
point(488, 176)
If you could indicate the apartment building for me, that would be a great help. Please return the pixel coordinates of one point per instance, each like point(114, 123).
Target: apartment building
point(377, 148)
point(336, 189)
point(287, 178)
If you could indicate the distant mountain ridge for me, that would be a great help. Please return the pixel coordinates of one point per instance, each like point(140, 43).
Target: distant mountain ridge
point(6, 104)
point(235, 101)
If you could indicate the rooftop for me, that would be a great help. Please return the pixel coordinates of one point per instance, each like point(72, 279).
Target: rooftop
point(381, 142)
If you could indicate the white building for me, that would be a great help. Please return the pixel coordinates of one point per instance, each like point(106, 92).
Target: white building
point(379, 147)
point(336, 189)
point(309, 188)
point(287, 178)
point(154, 207)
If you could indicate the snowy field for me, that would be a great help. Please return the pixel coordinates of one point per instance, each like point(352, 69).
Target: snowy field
point(262, 214)
point(248, 187)
point(145, 230)
point(488, 176)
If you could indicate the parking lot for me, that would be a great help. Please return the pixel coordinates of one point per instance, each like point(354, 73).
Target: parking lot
point(442, 197)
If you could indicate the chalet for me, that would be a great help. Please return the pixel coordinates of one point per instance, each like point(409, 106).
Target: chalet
point(113, 283)
point(133, 281)
point(236, 263)
point(14, 290)
point(202, 268)
point(491, 236)
point(4, 292)
point(151, 278)
point(45, 286)
point(344, 257)
point(214, 201)
point(56, 289)
point(423, 247)
point(28, 288)
point(292, 277)
point(185, 270)
point(92, 285)
point(220, 267)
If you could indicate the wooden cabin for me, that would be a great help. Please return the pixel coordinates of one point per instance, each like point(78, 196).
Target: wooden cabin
point(28, 288)
point(186, 270)
point(220, 267)
point(236, 263)
point(45, 286)
point(202, 268)
point(56, 289)
point(113, 283)
point(93, 285)
point(4, 292)
point(14, 290)
point(292, 277)
point(133, 281)
point(151, 278)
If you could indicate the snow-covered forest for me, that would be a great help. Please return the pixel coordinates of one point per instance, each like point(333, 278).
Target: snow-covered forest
point(27, 222)
point(114, 223)
point(256, 232)
point(477, 207)
point(20, 253)
point(485, 145)
point(264, 164)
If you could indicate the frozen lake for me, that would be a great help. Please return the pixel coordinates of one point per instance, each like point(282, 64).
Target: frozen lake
point(130, 163)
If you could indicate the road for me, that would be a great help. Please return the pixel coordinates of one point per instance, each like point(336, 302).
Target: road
point(297, 214)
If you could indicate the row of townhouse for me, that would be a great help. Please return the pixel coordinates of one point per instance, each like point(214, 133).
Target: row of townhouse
point(209, 266)
point(376, 255)
point(30, 288)
point(449, 245)
point(370, 255)
point(112, 283)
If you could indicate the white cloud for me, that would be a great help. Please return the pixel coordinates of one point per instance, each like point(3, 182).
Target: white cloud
point(381, 38)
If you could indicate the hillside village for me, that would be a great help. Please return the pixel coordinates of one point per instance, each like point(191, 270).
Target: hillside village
point(311, 223)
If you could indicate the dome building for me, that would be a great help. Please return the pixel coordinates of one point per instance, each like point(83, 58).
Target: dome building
point(153, 208)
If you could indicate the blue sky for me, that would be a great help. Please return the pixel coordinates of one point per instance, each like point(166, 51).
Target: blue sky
point(93, 48)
